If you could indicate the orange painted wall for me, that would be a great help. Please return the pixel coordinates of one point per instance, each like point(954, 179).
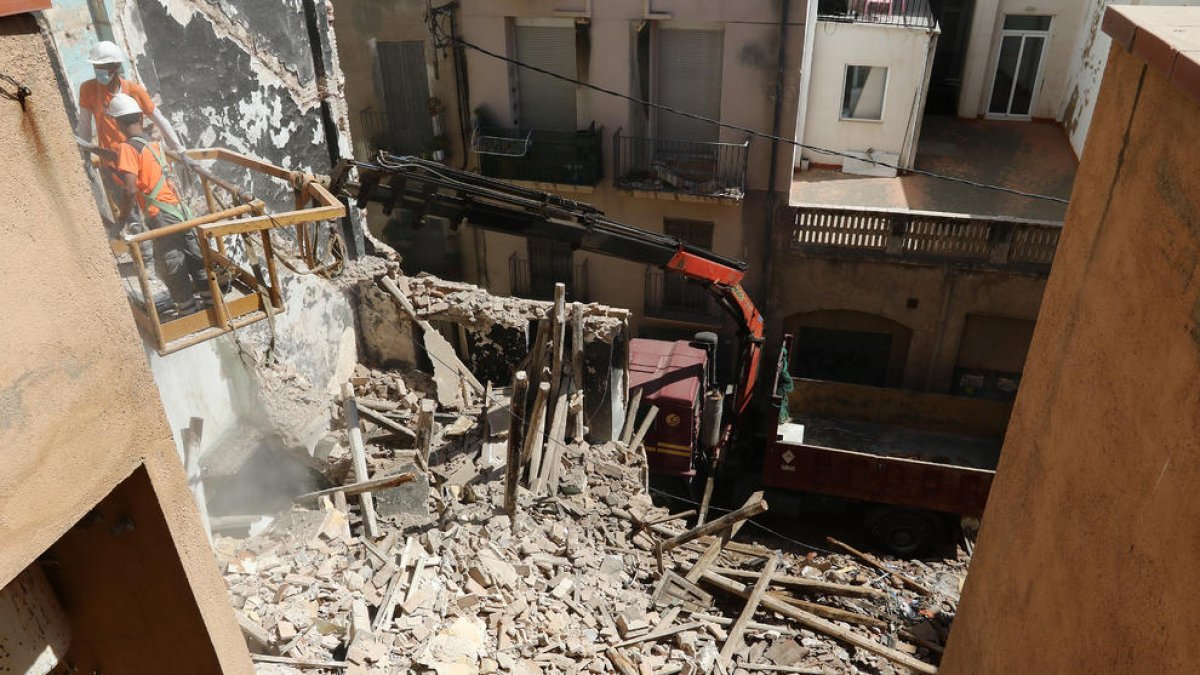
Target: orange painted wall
point(1085, 563)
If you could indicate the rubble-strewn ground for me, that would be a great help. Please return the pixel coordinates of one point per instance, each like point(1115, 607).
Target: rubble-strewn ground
point(454, 586)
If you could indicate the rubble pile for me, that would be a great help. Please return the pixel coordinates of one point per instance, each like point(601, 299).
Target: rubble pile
point(463, 539)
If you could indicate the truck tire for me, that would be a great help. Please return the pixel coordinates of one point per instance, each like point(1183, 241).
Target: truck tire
point(903, 532)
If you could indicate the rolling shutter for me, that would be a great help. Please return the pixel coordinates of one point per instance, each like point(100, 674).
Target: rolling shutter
point(689, 79)
point(546, 103)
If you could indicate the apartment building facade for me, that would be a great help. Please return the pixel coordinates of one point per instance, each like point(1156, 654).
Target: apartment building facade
point(887, 298)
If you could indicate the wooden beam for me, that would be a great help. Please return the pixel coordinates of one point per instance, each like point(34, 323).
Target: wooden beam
point(359, 451)
point(816, 623)
point(713, 526)
point(516, 427)
point(630, 414)
point(384, 420)
point(734, 641)
point(806, 585)
point(424, 444)
point(577, 365)
point(531, 451)
point(361, 487)
point(714, 548)
point(299, 663)
point(877, 564)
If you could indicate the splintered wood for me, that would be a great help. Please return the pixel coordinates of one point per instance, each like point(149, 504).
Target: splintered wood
point(497, 540)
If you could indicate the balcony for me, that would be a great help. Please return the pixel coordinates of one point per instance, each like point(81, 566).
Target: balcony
point(676, 298)
point(539, 283)
point(907, 13)
point(926, 237)
point(694, 168)
point(555, 157)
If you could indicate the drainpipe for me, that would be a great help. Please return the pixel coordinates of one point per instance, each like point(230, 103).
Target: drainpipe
point(776, 120)
point(806, 58)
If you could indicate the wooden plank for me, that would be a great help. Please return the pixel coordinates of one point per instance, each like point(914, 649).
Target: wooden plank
point(630, 414)
point(359, 452)
point(299, 663)
point(558, 333)
point(577, 365)
point(877, 564)
point(383, 420)
point(734, 641)
point(361, 487)
point(816, 623)
point(531, 451)
point(424, 444)
point(833, 613)
point(661, 633)
point(713, 526)
point(620, 662)
point(516, 429)
point(552, 454)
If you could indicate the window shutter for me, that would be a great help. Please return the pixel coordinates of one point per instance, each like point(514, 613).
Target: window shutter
point(689, 79)
point(546, 103)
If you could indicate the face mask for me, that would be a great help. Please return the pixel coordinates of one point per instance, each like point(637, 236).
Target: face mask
point(104, 76)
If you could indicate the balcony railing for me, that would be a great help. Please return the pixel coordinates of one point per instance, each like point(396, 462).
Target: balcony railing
point(685, 167)
point(909, 13)
point(526, 284)
point(926, 237)
point(676, 298)
point(563, 157)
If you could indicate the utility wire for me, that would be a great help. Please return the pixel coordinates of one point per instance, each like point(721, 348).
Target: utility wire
point(441, 39)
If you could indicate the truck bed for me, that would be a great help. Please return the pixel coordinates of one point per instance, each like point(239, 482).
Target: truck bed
point(882, 463)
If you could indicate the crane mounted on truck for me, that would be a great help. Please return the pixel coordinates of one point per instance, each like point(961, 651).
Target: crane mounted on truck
point(696, 437)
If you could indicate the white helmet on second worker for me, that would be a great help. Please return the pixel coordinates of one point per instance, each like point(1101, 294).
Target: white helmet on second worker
point(122, 105)
point(104, 53)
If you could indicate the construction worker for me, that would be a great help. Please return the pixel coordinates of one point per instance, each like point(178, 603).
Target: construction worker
point(95, 96)
point(145, 174)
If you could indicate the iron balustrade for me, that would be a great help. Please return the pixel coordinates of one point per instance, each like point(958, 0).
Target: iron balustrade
point(907, 13)
point(563, 157)
point(687, 167)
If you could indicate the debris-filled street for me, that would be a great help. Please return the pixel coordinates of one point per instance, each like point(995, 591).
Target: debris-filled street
point(420, 558)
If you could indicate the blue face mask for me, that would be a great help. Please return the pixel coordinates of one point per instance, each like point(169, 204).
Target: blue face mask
point(104, 76)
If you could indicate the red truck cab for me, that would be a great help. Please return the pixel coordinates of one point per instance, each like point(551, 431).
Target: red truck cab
point(671, 376)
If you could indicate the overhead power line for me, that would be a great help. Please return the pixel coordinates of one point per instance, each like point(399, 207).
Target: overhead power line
point(442, 40)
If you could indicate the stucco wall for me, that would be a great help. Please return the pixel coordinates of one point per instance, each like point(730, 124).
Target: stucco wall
point(903, 51)
point(1092, 518)
point(943, 296)
point(984, 43)
point(79, 412)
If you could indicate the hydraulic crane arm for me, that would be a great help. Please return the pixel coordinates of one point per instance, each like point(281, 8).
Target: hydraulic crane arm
point(432, 189)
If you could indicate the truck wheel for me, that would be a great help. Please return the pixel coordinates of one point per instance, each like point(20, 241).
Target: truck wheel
point(902, 532)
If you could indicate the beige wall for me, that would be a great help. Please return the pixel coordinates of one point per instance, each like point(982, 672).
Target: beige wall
point(79, 413)
point(984, 43)
point(943, 297)
point(905, 52)
point(1083, 564)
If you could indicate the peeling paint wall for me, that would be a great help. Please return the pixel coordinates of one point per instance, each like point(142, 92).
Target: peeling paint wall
point(1087, 68)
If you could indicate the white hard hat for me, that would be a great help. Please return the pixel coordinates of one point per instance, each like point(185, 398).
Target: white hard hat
point(123, 104)
point(105, 52)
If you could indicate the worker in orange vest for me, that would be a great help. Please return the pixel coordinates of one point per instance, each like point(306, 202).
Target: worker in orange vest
point(145, 174)
point(95, 96)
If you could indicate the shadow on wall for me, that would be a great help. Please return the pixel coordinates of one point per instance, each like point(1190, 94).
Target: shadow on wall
point(848, 346)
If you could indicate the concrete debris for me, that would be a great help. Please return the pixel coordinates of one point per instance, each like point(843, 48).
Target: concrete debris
point(585, 575)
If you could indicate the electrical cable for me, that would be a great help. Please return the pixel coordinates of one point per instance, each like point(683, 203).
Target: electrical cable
point(441, 40)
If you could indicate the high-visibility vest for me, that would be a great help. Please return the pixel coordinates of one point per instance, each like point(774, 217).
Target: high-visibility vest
point(180, 210)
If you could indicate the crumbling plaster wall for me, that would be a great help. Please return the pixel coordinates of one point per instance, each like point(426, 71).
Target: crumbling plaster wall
point(78, 410)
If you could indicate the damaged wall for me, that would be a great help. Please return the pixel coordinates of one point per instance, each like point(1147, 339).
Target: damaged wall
point(79, 415)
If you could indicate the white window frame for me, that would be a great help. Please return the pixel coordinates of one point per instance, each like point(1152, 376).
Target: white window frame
point(887, 81)
point(1048, 34)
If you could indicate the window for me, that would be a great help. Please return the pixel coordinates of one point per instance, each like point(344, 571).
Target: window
point(689, 78)
point(862, 97)
point(546, 103)
point(1018, 65)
